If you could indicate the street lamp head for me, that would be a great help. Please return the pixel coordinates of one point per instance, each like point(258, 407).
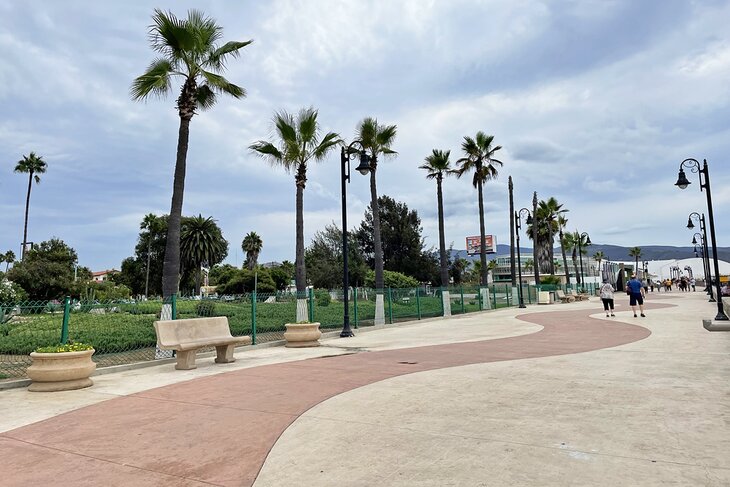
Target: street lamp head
point(588, 239)
point(690, 225)
point(529, 219)
point(682, 180)
point(364, 166)
point(694, 240)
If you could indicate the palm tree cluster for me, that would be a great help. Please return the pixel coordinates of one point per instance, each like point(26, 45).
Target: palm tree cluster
point(8, 258)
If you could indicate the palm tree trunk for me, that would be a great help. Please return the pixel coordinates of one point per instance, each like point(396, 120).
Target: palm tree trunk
point(575, 266)
point(171, 265)
point(147, 273)
point(301, 272)
point(482, 246)
point(377, 251)
point(27, 206)
point(565, 258)
point(513, 268)
point(551, 252)
point(442, 236)
point(197, 281)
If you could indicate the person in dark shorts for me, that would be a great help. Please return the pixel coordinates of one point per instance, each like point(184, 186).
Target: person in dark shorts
point(636, 295)
point(607, 297)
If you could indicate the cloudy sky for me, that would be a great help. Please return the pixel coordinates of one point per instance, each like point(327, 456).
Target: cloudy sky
point(594, 102)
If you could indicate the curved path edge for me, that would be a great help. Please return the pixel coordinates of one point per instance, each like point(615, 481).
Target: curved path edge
point(219, 430)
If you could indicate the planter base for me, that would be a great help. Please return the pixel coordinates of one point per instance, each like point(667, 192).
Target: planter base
point(66, 385)
point(300, 335)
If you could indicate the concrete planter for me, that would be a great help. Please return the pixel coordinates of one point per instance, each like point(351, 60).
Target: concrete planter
point(63, 371)
point(300, 335)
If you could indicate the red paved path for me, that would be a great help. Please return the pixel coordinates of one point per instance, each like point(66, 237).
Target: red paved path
point(218, 430)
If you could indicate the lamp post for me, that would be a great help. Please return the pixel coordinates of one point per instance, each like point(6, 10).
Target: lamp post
point(705, 261)
point(703, 239)
point(518, 226)
point(645, 270)
point(536, 264)
point(682, 183)
point(364, 168)
point(580, 256)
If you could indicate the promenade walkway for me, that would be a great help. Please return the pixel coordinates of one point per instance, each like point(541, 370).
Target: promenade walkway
point(554, 395)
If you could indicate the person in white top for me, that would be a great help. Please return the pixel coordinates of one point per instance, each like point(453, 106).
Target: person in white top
point(607, 297)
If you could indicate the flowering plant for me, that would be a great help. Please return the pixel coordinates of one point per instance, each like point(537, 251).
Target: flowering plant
point(68, 347)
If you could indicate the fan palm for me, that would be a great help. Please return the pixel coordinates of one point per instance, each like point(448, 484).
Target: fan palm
point(479, 158)
point(298, 143)
point(201, 244)
point(548, 224)
point(636, 253)
point(377, 139)
point(32, 165)
point(562, 221)
point(188, 48)
point(151, 223)
point(438, 165)
point(252, 245)
point(598, 257)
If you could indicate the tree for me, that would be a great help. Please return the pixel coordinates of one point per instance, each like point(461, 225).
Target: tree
point(252, 245)
point(479, 159)
point(325, 262)
point(201, 244)
point(188, 48)
point(8, 257)
point(562, 221)
point(491, 265)
point(378, 140)
point(548, 224)
point(576, 242)
point(299, 143)
point(438, 166)
point(529, 264)
point(598, 257)
point(403, 247)
point(32, 165)
point(636, 253)
point(47, 272)
point(151, 224)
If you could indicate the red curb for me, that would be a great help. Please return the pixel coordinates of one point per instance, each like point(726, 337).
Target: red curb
point(218, 430)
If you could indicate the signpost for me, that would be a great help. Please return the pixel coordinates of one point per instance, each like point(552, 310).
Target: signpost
point(473, 247)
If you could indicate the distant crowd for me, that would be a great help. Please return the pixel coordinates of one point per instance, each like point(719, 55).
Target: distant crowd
point(682, 283)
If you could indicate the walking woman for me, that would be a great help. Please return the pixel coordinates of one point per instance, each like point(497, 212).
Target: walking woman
point(607, 297)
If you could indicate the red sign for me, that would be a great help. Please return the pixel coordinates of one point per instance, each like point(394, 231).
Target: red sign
point(473, 246)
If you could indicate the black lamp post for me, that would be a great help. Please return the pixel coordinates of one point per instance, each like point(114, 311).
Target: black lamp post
point(364, 168)
point(703, 239)
point(705, 261)
point(683, 182)
point(580, 256)
point(518, 226)
point(536, 264)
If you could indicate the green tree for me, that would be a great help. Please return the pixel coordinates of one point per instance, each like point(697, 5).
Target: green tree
point(188, 48)
point(32, 165)
point(47, 272)
point(252, 245)
point(438, 165)
point(392, 279)
point(325, 262)
point(599, 257)
point(201, 245)
point(282, 275)
point(299, 143)
point(152, 224)
point(635, 252)
point(378, 140)
point(548, 225)
point(479, 159)
point(562, 221)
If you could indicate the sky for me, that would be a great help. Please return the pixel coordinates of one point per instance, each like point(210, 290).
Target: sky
point(595, 103)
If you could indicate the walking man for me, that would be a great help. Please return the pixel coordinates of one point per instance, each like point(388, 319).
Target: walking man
point(636, 295)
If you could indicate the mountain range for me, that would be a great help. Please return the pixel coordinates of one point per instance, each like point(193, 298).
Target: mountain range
point(612, 252)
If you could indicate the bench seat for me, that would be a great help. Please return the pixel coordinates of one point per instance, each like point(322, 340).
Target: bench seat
point(187, 336)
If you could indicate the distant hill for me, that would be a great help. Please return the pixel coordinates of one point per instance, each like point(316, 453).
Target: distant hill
point(613, 252)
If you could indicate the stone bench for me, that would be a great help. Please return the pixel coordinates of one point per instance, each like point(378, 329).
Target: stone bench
point(563, 297)
point(187, 336)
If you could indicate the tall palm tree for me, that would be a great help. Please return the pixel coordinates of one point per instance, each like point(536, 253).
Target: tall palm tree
point(188, 48)
point(378, 140)
point(299, 142)
point(151, 223)
point(32, 165)
point(479, 158)
point(636, 253)
point(252, 245)
point(9, 259)
point(548, 224)
point(562, 221)
point(438, 165)
point(201, 244)
point(598, 257)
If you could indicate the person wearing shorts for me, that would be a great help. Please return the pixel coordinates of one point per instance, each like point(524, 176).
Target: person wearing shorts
point(636, 295)
point(607, 297)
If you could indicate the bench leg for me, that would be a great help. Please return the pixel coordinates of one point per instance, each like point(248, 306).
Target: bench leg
point(224, 354)
point(186, 360)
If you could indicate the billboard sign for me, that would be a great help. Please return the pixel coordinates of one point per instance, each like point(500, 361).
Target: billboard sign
point(473, 247)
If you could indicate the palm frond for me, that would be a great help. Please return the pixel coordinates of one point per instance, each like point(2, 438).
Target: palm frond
point(205, 97)
point(220, 84)
point(328, 142)
point(155, 81)
point(217, 58)
point(307, 124)
point(268, 151)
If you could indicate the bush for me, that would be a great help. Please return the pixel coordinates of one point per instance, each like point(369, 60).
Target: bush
point(550, 280)
point(205, 308)
point(392, 279)
point(11, 293)
point(322, 298)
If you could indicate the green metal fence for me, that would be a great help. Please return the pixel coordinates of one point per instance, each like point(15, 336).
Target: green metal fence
point(122, 331)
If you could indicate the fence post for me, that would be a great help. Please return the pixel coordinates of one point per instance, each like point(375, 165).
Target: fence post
point(390, 304)
point(354, 305)
point(443, 308)
point(494, 295)
point(174, 307)
point(64, 326)
point(508, 293)
point(418, 301)
point(311, 305)
point(253, 318)
point(463, 308)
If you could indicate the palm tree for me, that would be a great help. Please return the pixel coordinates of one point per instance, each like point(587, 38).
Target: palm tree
point(252, 245)
point(491, 266)
point(438, 166)
point(201, 244)
point(562, 221)
point(32, 165)
point(529, 264)
point(299, 143)
point(9, 258)
point(151, 223)
point(480, 159)
point(548, 224)
point(570, 242)
point(188, 48)
point(377, 139)
point(636, 253)
point(598, 257)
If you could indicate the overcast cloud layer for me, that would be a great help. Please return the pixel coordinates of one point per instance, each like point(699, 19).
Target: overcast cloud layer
point(594, 102)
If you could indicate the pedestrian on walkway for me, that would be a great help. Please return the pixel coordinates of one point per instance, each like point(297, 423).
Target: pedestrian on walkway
point(693, 283)
point(636, 295)
point(607, 297)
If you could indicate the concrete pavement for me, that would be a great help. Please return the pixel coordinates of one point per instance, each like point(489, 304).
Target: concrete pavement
point(544, 396)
